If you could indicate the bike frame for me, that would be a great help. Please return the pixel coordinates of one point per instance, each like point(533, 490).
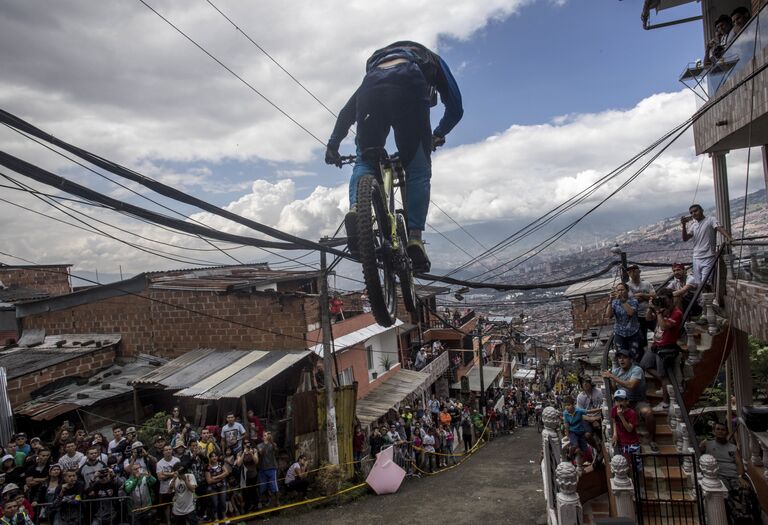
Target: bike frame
point(391, 179)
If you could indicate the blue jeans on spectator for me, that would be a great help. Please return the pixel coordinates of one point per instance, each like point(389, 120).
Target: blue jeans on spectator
point(628, 342)
point(577, 439)
point(268, 481)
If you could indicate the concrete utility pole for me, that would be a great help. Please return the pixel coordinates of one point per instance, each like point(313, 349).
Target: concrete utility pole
point(328, 374)
point(479, 332)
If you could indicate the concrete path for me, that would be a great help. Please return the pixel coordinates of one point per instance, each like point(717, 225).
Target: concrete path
point(501, 483)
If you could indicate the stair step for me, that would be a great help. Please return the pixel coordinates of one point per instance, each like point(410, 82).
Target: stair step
point(663, 472)
point(663, 449)
point(680, 497)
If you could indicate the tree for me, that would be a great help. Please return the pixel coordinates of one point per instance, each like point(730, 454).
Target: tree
point(758, 361)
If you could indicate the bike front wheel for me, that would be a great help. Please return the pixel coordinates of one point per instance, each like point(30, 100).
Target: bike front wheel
point(375, 248)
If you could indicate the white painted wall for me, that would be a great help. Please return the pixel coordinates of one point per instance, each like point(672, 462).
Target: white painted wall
point(383, 344)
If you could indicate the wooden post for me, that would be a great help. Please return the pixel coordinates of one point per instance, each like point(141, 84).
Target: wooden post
point(330, 404)
point(136, 407)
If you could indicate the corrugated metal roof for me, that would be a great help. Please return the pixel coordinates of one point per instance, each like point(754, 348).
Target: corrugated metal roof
point(358, 336)
point(388, 394)
point(206, 373)
point(73, 396)
point(55, 349)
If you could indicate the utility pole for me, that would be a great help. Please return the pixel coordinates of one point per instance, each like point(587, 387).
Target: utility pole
point(479, 332)
point(328, 374)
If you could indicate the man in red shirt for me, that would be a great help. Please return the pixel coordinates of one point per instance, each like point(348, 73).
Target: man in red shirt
point(669, 321)
point(625, 439)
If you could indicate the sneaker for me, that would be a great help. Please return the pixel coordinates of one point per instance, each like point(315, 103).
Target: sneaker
point(661, 407)
point(350, 223)
point(654, 447)
point(418, 255)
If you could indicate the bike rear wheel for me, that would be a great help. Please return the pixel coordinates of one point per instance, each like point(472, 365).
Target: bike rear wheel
point(376, 250)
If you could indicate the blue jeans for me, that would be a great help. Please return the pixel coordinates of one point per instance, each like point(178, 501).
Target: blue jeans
point(268, 481)
point(397, 98)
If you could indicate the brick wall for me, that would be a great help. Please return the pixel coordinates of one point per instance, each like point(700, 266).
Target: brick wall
point(747, 307)
point(591, 313)
point(160, 328)
point(51, 279)
point(19, 388)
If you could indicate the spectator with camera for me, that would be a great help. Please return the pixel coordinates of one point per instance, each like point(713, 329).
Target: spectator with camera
point(138, 487)
point(659, 362)
point(642, 291)
point(626, 327)
point(703, 231)
point(105, 488)
point(716, 46)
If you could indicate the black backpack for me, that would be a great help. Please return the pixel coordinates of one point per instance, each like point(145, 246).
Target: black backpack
point(428, 61)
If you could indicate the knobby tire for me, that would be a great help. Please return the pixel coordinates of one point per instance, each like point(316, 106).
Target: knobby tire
point(372, 228)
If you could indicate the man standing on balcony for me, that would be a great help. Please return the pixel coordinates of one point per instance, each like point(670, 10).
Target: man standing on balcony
point(703, 231)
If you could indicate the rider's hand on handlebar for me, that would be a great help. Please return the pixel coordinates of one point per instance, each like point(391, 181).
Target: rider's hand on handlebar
point(437, 141)
point(332, 156)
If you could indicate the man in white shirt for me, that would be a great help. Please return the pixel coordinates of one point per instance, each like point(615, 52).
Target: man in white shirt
point(165, 475)
point(183, 485)
point(703, 231)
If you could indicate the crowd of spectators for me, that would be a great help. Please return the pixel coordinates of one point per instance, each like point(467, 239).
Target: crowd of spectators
point(184, 475)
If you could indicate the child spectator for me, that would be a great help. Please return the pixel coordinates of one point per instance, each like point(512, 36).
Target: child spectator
point(625, 440)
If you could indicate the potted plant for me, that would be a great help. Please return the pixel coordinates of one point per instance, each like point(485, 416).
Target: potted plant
point(385, 362)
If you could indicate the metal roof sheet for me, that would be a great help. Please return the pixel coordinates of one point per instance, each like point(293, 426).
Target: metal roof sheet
point(253, 375)
point(159, 376)
point(206, 373)
point(388, 394)
point(358, 336)
point(70, 397)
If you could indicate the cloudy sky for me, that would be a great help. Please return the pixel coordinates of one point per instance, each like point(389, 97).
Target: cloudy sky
point(557, 93)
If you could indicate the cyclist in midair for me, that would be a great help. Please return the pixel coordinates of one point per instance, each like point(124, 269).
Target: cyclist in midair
point(400, 85)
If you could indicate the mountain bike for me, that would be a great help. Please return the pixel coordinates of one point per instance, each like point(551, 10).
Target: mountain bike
point(383, 235)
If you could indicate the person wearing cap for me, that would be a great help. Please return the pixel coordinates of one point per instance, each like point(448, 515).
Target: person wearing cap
point(21, 443)
point(631, 378)
point(137, 455)
point(625, 438)
point(642, 291)
point(158, 444)
point(623, 310)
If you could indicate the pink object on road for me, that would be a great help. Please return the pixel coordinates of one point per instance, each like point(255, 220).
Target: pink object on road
point(386, 476)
